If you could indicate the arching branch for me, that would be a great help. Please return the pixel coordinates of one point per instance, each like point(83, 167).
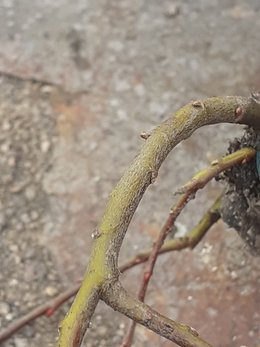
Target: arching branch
point(102, 269)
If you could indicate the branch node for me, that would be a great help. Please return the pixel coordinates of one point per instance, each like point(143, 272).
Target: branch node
point(198, 104)
point(193, 331)
point(214, 162)
point(95, 234)
point(154, 175)
point(145, 135)
point(239, 113)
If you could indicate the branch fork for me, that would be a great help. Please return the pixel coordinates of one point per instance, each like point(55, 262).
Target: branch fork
point(101, 279)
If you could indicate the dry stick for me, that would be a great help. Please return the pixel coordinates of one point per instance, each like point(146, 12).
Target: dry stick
point(102, 273)
point(183, 335)
point(189, 190)
point(191, 239)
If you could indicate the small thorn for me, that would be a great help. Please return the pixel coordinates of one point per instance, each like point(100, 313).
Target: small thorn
point(198, 104)
point(145, 135)
point(214, 163)
point(194, 332)
point(180, 190)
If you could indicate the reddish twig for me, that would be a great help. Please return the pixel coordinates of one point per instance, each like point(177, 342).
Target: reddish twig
point(47, 309)
point(188, 191)
point(190, 240)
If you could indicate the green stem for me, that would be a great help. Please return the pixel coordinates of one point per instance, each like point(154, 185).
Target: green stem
point(123, 201)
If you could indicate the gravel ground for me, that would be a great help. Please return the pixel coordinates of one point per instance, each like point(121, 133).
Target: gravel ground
point(78, 83)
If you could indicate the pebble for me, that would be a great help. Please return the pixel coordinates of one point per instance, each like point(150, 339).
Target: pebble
point(20, 342)
point(45, 146)
point(34, 215)
point(6, 126)
point(102, 331)
point(9, 316)
point(5, 147)
point(25, 218)
point(172, 10)
point(4, 308)
point(11, 162)
point(13, 248)
point(46, 89)
point(51, 291)
point(30, 192)
point(140, 90)
point(13, 282)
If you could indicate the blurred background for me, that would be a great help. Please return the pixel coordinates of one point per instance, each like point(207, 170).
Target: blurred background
point(79, 81)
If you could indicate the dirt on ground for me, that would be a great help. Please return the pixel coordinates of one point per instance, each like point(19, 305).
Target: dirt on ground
point(79, 81)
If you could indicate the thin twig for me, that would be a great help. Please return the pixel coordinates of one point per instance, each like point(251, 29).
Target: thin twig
point(47, 309)
point(117, 298)
point(191, 239)
point(189, 190)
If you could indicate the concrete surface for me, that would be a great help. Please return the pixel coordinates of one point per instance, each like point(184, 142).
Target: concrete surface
point(79, 82)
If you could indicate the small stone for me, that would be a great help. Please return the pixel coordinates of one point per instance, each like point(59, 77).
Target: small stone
point(13, 248)
point(20, 342)
point(9, 316)
point(18, 226)
point(172, 10)
point(140, 90)
point(122, 326)
point(233, 275)
point(4, 308)
point(17, 260)
point(102, 331)
point(114, 102)
point(6, 126)
point(30, 192)
point(34, 215)
point(25, 218)
point(5, 147)
point(51, 291)
point(13, 282)
point(45, 146)
point(46, 89)
point(11, 162)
